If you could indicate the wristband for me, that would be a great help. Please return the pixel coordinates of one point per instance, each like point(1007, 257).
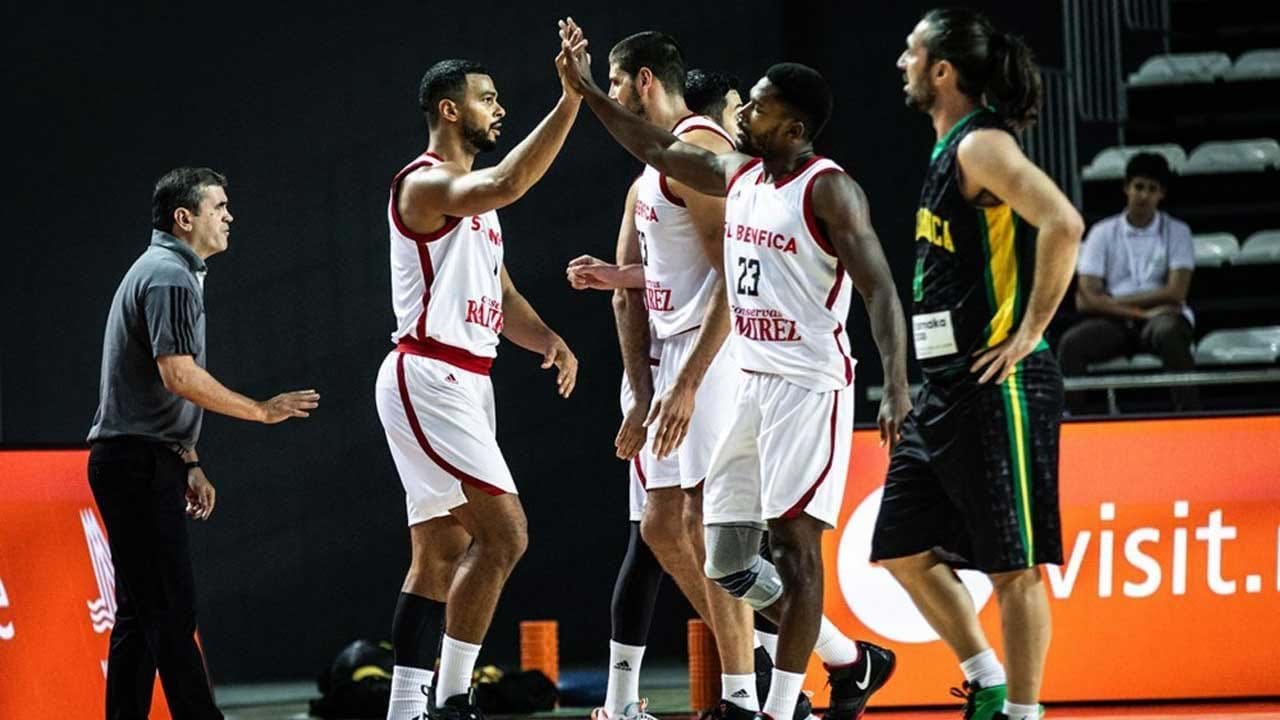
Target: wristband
point(192, 464)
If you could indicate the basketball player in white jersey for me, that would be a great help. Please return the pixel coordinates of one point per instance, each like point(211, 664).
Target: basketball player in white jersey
point(640, 575)
point(795, 225)
point(714, 95)
point(679, 236)
point(708, 93)
point(452, 298)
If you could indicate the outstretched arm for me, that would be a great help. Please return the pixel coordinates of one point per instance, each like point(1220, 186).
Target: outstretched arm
point(590, 273)
point(841, 208)
point(184, 378)
point(522, 326)
point(992, 160)
point(428, 195)
point(700, 169)
point(586, 272)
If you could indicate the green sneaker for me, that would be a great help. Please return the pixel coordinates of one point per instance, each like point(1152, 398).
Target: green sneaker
point(980, 703)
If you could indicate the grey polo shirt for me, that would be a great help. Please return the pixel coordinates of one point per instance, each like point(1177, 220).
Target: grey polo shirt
point(157, 310)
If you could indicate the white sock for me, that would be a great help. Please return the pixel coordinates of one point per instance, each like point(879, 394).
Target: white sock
point(457, 660)
point(769, 641)
point(834, 647)
point(624, 677)
point(740, 690)
point(783, 694)
point(409, 689)
point(984, 669)
point(1021, 712)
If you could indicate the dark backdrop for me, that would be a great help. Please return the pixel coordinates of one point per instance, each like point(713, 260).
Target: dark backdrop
point(309, 110)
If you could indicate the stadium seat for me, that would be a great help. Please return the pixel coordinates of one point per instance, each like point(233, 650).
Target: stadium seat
point(1250, 346)
point(1141, 361)
point(1181, 69)
point(1233, 156)
point(1215, 249)
point(1262, 248)
point(1109, 164)
point(1256, 65)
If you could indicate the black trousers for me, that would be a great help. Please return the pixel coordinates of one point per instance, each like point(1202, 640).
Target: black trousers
point(1097, 339)
point(140, 488)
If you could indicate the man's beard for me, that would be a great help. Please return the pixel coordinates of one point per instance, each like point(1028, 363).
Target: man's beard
point(921, 97)
point(746, 145)
point(635, 108)
point(478, 138)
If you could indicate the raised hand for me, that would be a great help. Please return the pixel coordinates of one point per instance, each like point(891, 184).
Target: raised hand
point(573, 63)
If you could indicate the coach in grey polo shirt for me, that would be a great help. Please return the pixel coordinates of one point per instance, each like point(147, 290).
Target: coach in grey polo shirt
point(143, 466)
point(158, 310)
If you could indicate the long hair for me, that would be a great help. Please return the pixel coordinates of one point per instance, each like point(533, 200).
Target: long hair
point(995, 68)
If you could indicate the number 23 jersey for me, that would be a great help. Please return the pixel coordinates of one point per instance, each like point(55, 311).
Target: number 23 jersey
point(788, 292)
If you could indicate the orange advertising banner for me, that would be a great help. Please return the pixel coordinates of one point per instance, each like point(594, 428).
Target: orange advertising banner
point(1170, 586)
point(57, 590)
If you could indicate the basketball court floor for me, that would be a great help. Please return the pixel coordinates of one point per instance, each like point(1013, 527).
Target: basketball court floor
point(671, 700)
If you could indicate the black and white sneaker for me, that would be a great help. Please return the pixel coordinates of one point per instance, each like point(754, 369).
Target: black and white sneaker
point(725, 710)
point(456, 707)
point(853, 684)
point(764, 679)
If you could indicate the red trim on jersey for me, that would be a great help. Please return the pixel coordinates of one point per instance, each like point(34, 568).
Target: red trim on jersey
point(848, 364)
point(644, 481)
point(428, 279)
point(686, 117)
point(449, 222)
point(835, 289)
point(796, 173)
point(426, 446)
point(709, 125)
point(808, 495)
point(455, 356)
point(811, 220)
point(666, 192)
point(745, 167)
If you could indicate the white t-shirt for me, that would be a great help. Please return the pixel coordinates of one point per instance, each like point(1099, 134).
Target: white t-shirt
point(1133, 259)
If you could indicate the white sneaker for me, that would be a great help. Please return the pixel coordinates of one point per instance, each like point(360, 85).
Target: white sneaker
point(631, 711)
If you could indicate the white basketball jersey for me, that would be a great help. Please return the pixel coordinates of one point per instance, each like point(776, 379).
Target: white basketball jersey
point(446, 286)
point(678, 277)
point(788, 292)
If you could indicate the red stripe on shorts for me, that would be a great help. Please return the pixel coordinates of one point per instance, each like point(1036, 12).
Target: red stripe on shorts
point(644, 481)
point(804, 499)
point(426, 446)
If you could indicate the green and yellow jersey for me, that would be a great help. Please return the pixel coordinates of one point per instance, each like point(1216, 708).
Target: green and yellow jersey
point(974, 261)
